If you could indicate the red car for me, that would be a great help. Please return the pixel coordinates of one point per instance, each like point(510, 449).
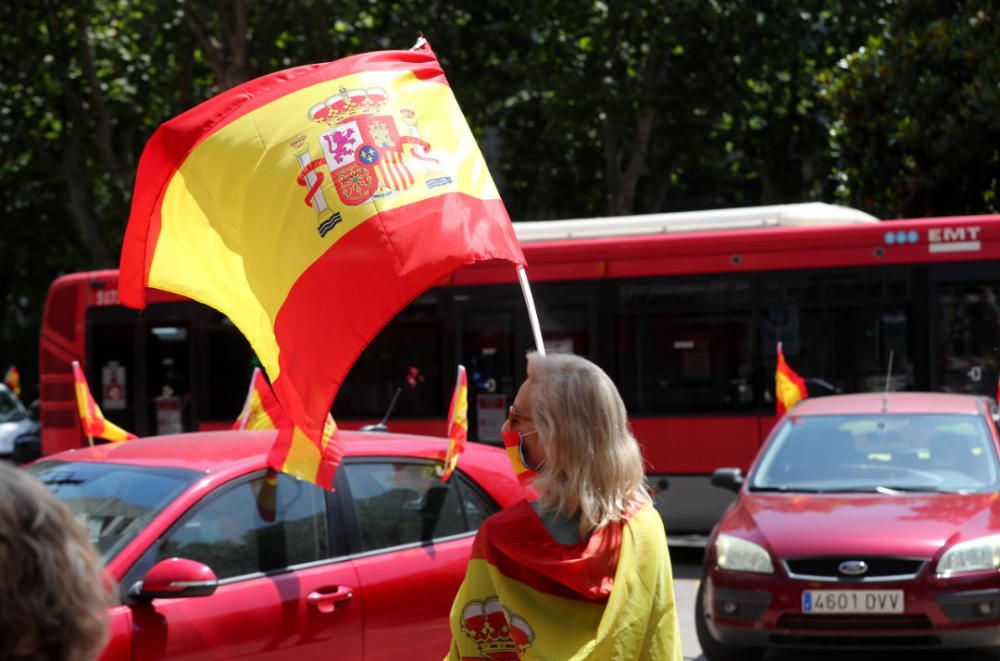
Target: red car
point(218, 558)
point(866, 521)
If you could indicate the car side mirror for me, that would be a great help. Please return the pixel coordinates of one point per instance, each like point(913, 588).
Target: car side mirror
point(728, 478)
point(173, 578)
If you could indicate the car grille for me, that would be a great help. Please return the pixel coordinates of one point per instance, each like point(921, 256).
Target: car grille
point(880, 568)
point(865, 642)
point(914, 622)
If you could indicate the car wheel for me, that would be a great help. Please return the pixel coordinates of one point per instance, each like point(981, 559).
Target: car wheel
point(26, 448)
point(712, 648)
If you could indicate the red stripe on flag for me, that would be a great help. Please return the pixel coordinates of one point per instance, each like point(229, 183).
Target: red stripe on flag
point(374, 271)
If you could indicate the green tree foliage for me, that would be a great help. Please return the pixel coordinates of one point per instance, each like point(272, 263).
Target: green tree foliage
point(917, 112)
point(581, 108)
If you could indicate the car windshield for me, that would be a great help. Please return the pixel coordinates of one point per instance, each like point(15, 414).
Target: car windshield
point(113, 501)
point(879, 453)
point(10, 407)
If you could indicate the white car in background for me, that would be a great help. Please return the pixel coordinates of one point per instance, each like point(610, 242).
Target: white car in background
point(17, 428)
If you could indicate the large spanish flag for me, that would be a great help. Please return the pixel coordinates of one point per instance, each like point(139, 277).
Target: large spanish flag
point(789, 388)
point(309, 206)
point(91, 417)
point(458, 423)
point(525, 596)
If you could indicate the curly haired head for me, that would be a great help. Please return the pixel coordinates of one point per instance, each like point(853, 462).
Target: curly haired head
point(52, 584)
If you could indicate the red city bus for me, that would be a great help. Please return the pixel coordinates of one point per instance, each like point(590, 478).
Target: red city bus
point(682, 310)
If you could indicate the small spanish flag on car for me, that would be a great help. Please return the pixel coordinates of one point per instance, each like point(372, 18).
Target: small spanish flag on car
point(94, 422)
point(261, 409)
point(789, 388)
point(458, 423)
point(12, 379)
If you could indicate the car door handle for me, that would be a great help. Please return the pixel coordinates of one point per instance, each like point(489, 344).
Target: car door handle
point(325, 600)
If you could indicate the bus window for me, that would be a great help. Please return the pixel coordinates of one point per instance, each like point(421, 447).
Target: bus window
point(968, 324)
point(565, 328)
point(407, 354)
point(488, 353)
point(680, 351)
point(230, 365)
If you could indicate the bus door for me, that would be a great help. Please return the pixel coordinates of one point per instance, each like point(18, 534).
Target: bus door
point(492, 355)
point(111, 365)
point(168, 383)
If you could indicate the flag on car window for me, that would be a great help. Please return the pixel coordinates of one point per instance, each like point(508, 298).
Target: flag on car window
point(310, 206)
point(94, 422)
point(789, 388)
point(12, 379)
point(261, 409)
point(458, 423)
point(527, 596)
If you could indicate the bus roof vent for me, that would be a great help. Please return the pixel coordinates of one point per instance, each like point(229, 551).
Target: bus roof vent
point(806, 214)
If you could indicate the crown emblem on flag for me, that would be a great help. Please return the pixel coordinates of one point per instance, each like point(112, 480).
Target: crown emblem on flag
point(498, 633)
point(347, 104)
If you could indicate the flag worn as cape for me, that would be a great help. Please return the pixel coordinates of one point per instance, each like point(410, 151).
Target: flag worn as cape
point(789, 388)
point(261, 409)
point(525, 596)
point(458, 423)
point(94, 422)
point(310, 206)
point(12, 379)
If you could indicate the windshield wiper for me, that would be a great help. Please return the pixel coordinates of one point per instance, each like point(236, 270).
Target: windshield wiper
point(785, 488)
point(889, 490)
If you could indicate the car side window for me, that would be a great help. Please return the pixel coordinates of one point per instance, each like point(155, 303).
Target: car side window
point(260, 525)
point(406, 503)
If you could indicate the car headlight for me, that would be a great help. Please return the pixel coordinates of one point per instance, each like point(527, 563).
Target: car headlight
point(737, 554)
point(981, 554)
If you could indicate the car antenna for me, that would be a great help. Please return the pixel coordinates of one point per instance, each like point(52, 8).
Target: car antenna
point(381, 426)
point(888, 378)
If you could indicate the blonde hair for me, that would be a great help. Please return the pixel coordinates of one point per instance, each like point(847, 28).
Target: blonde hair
point(52, 590)
point(593, 465)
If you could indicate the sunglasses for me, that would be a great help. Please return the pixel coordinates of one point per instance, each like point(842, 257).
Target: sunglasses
point(514, 417)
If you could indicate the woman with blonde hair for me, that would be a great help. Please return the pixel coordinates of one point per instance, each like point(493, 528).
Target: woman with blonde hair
point(583, 571)
point(53, 595)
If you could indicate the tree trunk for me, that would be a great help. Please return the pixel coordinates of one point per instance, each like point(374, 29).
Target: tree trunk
point(80, 206)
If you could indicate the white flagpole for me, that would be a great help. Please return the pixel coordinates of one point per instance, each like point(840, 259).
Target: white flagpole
point(536, 329)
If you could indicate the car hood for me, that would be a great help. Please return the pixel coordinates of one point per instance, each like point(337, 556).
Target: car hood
point(917, 525)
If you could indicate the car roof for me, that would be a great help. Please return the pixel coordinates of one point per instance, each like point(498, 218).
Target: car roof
point(246, 450)
point(891, 403)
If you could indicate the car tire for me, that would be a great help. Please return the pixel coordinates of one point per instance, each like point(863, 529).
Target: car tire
point(712, 649)
point(26, 448)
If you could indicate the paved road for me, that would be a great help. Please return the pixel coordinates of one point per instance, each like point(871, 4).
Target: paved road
point(687, 574)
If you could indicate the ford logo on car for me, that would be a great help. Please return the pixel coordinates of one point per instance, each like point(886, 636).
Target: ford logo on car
point(853, 567)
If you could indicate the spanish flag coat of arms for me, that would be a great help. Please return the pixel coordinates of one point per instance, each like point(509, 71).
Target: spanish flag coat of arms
point(526, 596)
point(309, 206)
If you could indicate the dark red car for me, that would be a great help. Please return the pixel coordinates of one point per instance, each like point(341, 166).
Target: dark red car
point(218, 558)
point(866, 521)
